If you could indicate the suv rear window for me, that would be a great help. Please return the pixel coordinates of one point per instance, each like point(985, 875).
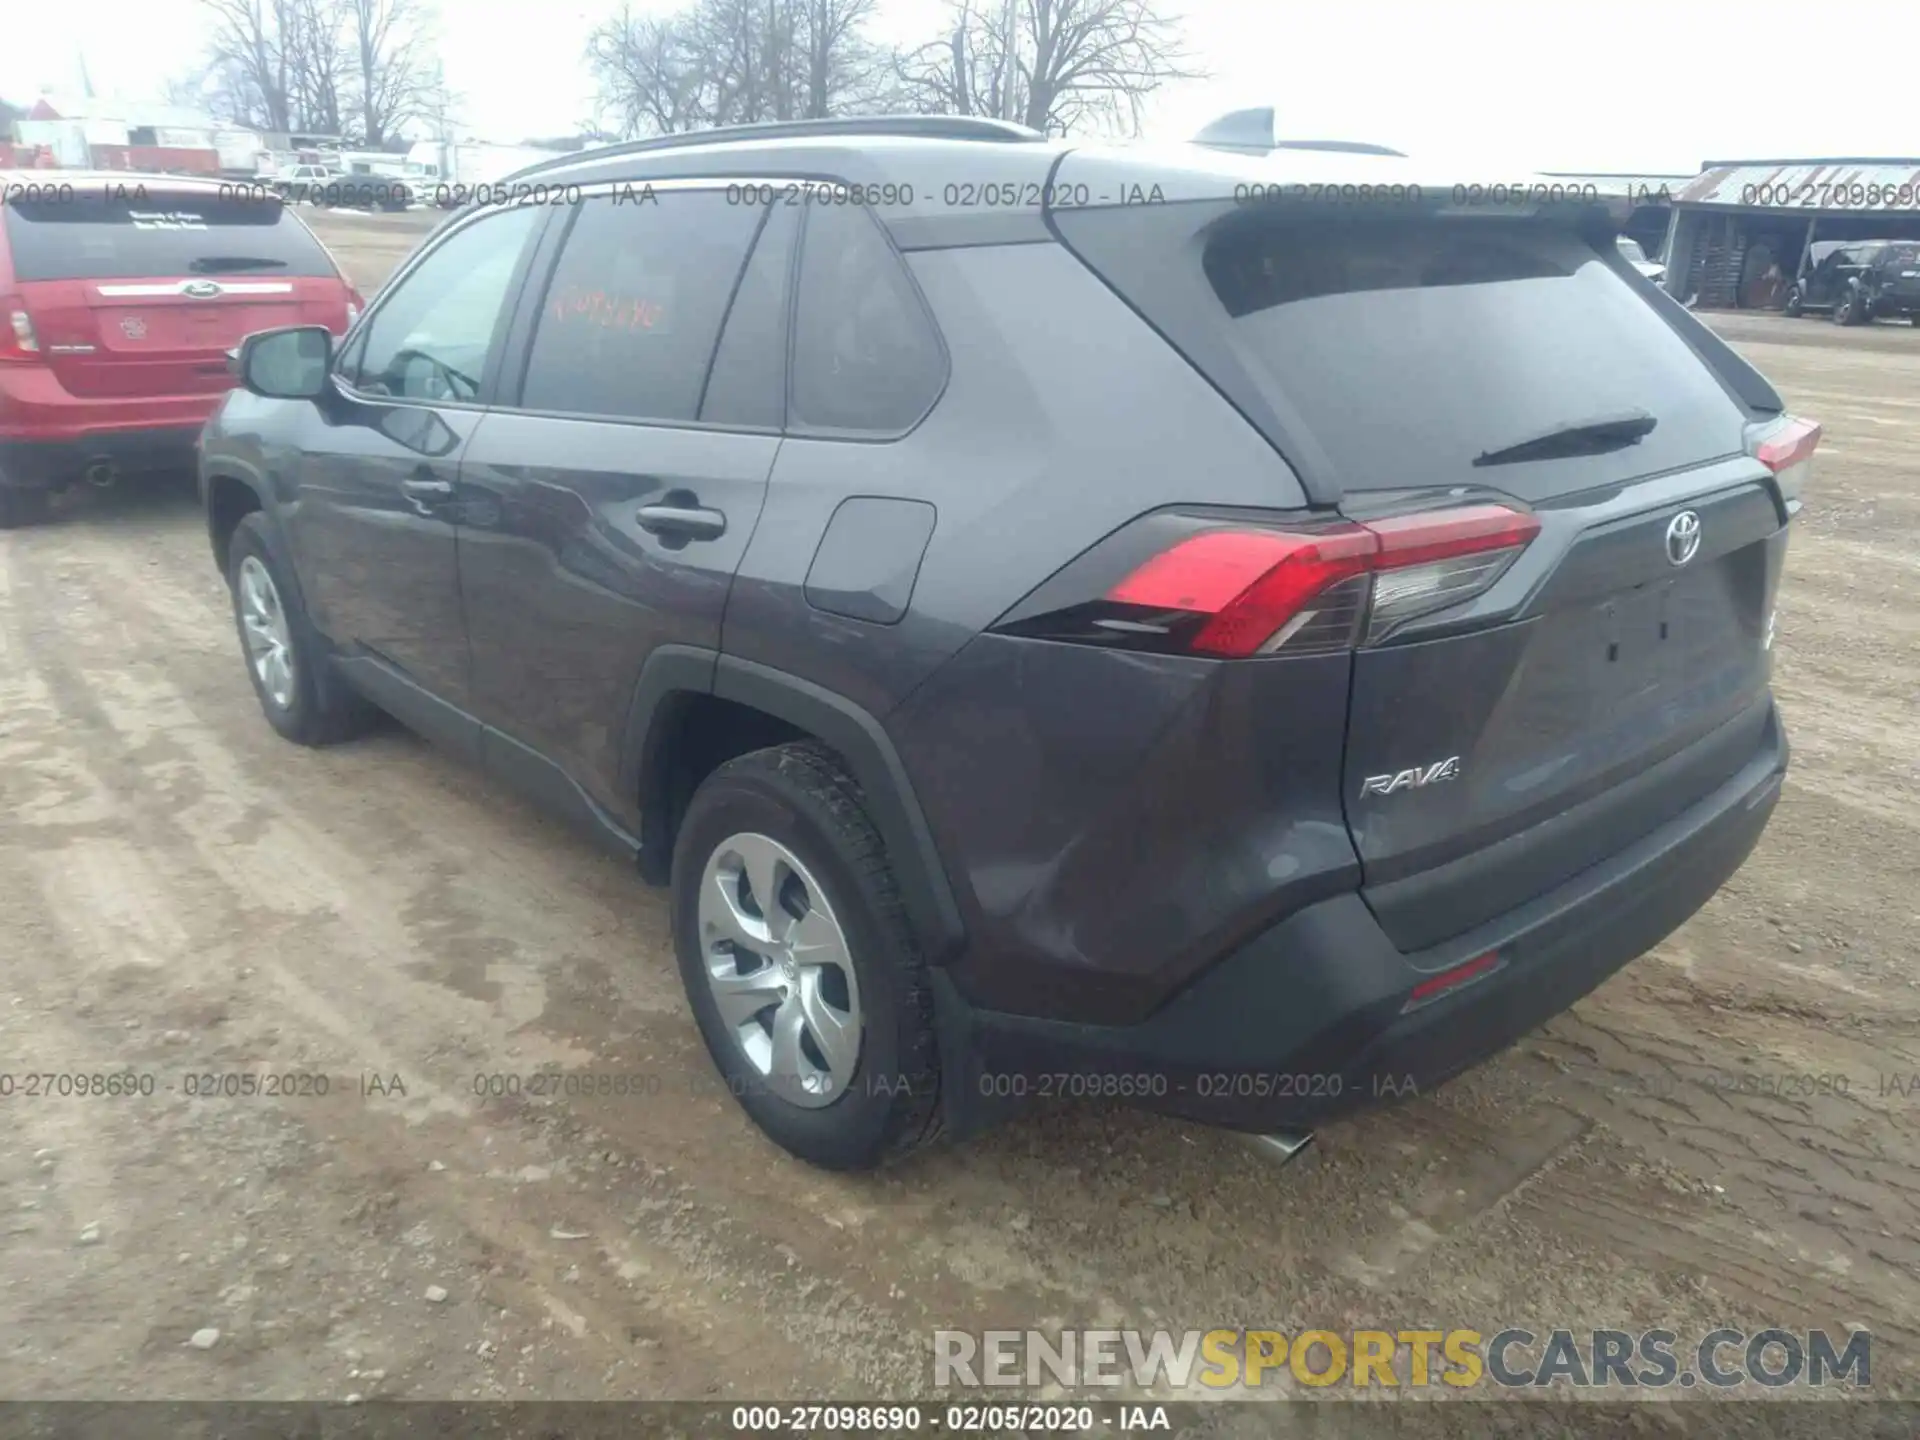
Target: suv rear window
point(102, 238)
point(1407, 348)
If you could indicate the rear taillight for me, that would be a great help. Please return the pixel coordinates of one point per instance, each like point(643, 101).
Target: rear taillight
point(1786, 448)
point(17, 340)
point(1233, 590)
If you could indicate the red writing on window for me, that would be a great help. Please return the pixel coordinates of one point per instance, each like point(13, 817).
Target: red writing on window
point(609, 311)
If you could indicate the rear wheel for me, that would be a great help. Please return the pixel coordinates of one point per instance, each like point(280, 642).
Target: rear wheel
point(22, 507)
point(286, 659)
point(1796, 303)
point(804, 976)
point(1844, 307)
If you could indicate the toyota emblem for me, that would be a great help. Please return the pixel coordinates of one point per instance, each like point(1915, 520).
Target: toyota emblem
point(1683, 537)
point(200, 289)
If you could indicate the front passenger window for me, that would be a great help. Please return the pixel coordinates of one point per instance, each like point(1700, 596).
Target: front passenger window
point(428, 340)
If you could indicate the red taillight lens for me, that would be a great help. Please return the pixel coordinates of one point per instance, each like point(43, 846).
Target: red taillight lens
point(1790, 443)
point(17, 340)
point(1245, 590)
point(1786, 448)
point(1253, 586)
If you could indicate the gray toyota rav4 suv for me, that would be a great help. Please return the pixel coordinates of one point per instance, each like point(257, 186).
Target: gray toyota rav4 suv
point(1242, 631)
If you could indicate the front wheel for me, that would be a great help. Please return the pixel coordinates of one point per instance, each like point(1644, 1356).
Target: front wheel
point(805, 979)
point(1844, 308)
point(286, 659)
point(1796, 303)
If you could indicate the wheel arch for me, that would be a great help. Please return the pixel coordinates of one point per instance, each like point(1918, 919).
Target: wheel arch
point(677, 681)
point(229, 500)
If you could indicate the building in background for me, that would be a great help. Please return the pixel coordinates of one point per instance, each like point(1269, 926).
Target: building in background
point(90, 133)
point(1741, 227)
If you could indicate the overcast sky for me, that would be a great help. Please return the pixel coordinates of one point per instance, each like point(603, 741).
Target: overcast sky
point(1627, 85)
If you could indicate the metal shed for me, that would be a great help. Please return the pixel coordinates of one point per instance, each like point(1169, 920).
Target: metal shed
point(1740, 229)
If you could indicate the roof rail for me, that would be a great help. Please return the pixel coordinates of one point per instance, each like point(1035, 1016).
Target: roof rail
point(917, 127)
point(1256, 132)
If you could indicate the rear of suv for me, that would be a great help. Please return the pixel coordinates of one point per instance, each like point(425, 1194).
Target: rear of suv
point(1250, 634)
point(120, 297)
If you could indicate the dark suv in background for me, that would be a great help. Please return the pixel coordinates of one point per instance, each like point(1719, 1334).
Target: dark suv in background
point(1858, 281)
point(1064, 620)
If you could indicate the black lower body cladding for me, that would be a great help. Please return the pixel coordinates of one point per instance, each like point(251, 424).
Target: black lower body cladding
point(1310, 1019)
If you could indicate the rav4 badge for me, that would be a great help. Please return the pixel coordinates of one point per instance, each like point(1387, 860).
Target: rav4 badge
point(1414, 779)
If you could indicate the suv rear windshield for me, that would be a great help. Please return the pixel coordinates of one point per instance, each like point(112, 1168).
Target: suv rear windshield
point(102, 238)
point(1407, 348)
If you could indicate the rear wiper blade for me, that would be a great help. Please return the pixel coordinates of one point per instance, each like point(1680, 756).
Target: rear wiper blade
point(1578, 437)
point(215, 264)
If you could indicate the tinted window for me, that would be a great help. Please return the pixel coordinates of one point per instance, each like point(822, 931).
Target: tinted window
point(93, 237)
point(865, 354)
point(1408, 349)
point(630, 318)
point(428, 339)
point(748, 385)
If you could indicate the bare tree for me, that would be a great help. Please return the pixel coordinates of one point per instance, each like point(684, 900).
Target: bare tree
point(395, 80)
point(248, 76)
point(319, 72)
point(650, 77)
point(356, 68)
point(1050, 64)
point(732, 62)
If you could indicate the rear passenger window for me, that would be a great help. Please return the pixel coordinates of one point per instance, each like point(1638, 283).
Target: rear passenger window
point(865, 354)
point(628, 326)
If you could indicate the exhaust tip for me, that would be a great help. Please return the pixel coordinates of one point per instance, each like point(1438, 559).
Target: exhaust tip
point(1282, 1146)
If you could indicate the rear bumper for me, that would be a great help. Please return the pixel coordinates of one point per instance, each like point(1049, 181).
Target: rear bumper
point(1309, 1020)
point(48, 435)
point(37, 464)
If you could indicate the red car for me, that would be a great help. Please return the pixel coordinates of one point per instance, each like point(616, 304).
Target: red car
point(120, 296)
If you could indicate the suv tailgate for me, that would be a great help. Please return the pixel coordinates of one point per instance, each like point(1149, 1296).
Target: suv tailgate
point(144, 296)
point(1404, 360)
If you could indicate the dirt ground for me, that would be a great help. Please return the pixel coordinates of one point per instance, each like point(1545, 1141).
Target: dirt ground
point(183, 893)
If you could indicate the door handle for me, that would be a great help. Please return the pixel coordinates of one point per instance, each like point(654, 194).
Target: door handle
point(693, 521)
point(427, 489)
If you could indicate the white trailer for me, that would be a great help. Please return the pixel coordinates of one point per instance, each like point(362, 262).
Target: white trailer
point(453, 170)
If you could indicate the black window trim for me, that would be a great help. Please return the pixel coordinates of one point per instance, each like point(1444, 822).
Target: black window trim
point(533, 299)
point(867, 437)
point(509, 307)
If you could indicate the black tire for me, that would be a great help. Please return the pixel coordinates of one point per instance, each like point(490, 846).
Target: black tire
point(1795, 306)
point(323, 709)
point(19, 508)
point(803, 796)
point(1843, 308)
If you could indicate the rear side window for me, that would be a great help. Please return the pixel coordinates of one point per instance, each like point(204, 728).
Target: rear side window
point(866, 357)
point(110, 238)
point(632, 314)
point(1408, 349)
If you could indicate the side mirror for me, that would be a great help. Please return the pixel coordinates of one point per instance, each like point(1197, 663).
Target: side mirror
point(289, 364)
